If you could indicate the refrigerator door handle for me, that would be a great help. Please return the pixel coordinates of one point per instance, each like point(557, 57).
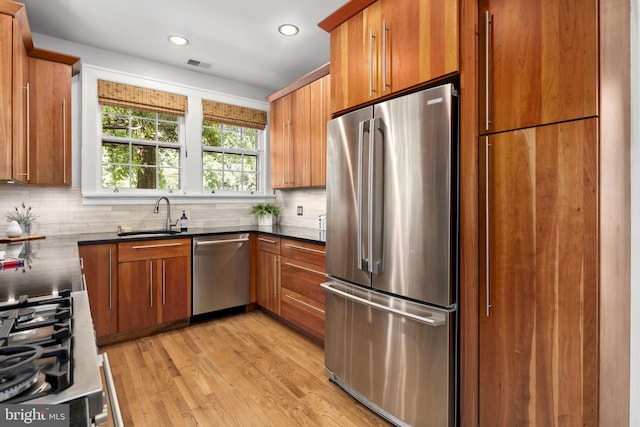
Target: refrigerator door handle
point(376, 196)
point(363, 258)
point(426, 320)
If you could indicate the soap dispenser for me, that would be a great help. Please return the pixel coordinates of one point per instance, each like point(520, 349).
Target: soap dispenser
point(183, 222)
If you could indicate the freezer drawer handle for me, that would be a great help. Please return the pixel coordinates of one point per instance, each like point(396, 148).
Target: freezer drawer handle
point(219, 242)
point(425, 320)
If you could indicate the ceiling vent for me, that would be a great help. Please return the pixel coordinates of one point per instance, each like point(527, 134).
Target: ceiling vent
point(199, 64)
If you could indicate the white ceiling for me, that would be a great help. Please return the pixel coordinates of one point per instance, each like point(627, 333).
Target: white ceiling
point(238, 38)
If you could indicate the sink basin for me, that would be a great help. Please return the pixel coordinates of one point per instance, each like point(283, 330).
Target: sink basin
point(148, 233)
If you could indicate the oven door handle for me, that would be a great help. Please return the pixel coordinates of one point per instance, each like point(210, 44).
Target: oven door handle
point(103, 359)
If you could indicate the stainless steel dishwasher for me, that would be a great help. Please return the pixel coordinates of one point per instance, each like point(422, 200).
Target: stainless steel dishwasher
point(220, 272)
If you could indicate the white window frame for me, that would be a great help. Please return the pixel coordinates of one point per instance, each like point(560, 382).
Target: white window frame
point(191, 155)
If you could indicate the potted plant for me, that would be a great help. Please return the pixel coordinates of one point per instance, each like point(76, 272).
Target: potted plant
point(23, 216)
point(266, 212)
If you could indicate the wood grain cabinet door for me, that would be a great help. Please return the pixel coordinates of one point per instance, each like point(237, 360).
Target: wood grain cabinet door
point(100, 271)
point(137, 305)
point(538, 308)
point(173, 292)
point(279, 137)
point(268, 283)
point(49, 123)
point(537, 62)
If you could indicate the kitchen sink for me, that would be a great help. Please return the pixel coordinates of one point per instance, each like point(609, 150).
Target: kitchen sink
point(148, 233)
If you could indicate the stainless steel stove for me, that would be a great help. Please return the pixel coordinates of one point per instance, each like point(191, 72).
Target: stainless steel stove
point(48, 356)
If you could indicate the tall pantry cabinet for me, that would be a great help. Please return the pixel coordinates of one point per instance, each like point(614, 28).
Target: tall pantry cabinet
point(547, 244)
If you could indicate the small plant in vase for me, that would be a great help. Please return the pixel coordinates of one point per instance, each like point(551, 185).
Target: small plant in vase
point(266, 212)
point(23, 216)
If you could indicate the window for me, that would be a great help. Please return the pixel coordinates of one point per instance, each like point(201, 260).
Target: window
point(140, 149)
point(143, 138)
point(230, 157)
point(231, 147)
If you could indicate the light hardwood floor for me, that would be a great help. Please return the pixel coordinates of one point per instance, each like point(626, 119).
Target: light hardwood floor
point(247, 369)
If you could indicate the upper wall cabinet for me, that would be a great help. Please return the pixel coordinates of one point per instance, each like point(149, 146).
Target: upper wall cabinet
point(49, 123)
point(538, 62)
point(389, 46)
point(35, 105)
point(297, 132)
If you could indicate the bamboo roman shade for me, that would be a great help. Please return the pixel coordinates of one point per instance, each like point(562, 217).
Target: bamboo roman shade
point(140, 98)
point(229, 114)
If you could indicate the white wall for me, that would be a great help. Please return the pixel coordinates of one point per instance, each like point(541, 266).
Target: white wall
point(634, 419)
point(61, 210)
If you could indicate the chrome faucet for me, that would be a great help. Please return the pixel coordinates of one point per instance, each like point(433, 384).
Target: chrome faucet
point(156, 209)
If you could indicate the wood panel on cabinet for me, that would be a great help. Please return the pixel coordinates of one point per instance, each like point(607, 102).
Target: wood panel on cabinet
point(49, 123)
point(154, 279)
point(268, 281)
point(303, 251)
point(21, 87)
point(100, 274)
point(306, 313)
point(390, 46)
point(320, 115)
point(538, 326)
point(540, 64)
point(6, 91)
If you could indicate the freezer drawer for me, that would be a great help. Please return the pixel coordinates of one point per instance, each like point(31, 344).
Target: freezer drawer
point(220, 272)
point(395, 356)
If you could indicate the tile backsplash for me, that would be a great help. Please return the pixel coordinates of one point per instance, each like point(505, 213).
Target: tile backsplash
point(60, 211)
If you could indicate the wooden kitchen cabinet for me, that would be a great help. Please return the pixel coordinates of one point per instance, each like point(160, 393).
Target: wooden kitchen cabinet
point(302, 272)
point(49, 122)
point(320, 115)
point(538, 331)
point(542, 62)
point(390, 46)
point(100, 274)
point(290, 140)
point(154, 279)
point(298, 121)
point(13, 100)
point(268, 273)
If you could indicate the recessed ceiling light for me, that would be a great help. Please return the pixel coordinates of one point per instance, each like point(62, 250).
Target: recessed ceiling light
point(178, 40)
point(288, 30)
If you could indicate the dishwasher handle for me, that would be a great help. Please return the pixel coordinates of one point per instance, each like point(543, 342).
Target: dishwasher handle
point(219, 242)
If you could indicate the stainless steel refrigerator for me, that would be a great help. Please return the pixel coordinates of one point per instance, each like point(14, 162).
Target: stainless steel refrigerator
point(392, 256)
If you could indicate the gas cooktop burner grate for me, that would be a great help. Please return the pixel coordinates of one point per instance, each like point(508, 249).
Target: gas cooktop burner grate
point(35, 347)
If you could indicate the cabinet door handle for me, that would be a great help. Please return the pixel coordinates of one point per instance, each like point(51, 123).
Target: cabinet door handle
point(371, 38)
point(305, 268)
point(150, 283)
point(305, 304)
point(64, 141)
point(385, 30)
point(262, 239)
point(302, 248)
point(275, 277)
point(28, 88)
point(487, 22)
point(164, 245)
point(164, 286)
point(487, 284)
point(84, 282)
point(110, 278)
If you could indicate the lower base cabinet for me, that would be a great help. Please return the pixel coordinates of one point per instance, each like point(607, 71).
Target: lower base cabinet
point(289, 276)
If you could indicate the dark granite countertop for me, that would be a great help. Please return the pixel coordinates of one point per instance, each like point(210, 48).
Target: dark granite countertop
point(53, 265)
point(50, 265)
point(298, 233)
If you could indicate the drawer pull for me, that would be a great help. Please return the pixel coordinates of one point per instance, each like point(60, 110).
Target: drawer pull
point(302, 248)
point(165, 245)
point(305, 268)
point(262, 239)
point(305, 304)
